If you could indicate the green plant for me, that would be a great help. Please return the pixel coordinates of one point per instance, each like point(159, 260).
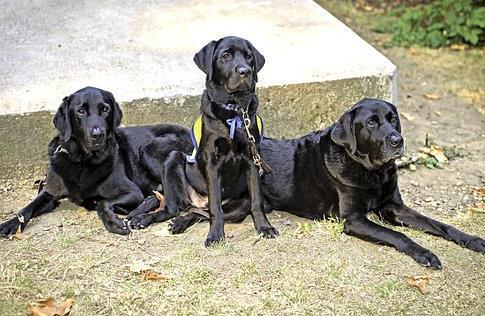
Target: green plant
point(439, 23)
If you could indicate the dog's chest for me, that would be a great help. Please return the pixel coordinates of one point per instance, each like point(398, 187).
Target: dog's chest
point(81, 180)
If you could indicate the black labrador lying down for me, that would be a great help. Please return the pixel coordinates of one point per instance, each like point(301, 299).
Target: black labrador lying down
point(224, 160)
point(348, 170)
point(99, 166)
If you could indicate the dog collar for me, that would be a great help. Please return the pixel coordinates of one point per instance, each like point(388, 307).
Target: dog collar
point(231, 107)
point(235, 122)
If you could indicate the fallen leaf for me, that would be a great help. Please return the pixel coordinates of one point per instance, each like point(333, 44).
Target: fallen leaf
point(17, 235)
point(421, 282)
point(151, 275)
point(161, 198)
point(48, 307)
point(431, 96)
point(477, 208)
point(479, 192)
point(434, 151)
point(407, 116)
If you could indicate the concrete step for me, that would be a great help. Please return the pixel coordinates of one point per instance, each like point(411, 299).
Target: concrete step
point(142, 52)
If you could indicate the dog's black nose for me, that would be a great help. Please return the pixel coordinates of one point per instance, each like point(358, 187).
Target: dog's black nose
point(243, 71)
point(396, 141)
point(97, 133)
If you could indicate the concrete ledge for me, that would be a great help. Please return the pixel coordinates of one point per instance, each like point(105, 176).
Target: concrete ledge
point(288, 111)
point(142, 51)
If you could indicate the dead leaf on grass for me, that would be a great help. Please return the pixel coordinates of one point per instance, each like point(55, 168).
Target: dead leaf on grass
point(436, 152)
point(48, 307)
point(161, 198)
point(17, 236)
point(151, 275)
point(421, 282)
point(477, 208)
point(479, 192)
point(431, 96)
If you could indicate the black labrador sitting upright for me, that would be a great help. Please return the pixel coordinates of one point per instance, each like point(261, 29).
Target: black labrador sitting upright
point(348, 170)
point(224, 158)
point(99, 166)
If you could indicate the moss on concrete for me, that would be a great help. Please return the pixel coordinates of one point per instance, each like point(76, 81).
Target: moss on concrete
point(289, 111)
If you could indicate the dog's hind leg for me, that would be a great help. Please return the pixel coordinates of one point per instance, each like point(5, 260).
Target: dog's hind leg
point(175, 192)
point(148, 205)
point(43, 203)
point(403, 215)
point(235, 211)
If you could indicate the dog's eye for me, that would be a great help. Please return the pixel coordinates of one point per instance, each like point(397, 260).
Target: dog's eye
point(105, 109)
point(248, 57)
point(226, 56)
point(394, 120)
point(81, 111)
point(371, 123)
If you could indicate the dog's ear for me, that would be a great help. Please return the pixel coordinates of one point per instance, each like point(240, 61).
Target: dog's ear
point(258, 60)
point(116, 114)
point(343, 133)
point(394, 109)
point(204, 59)
point(62, 121)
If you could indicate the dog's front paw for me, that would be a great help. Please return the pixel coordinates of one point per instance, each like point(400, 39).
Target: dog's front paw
point(268, 232)
point(141, 221)
point(214, 238)
point(117, 226)
point(475, 243)
point(178, 225)
point(9, 227)
point(425, 257)
point(111, 221)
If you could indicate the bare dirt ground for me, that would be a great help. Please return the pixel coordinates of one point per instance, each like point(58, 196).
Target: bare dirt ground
point(311, 268)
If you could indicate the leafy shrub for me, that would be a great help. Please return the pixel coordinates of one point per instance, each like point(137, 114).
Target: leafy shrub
point(439, 23)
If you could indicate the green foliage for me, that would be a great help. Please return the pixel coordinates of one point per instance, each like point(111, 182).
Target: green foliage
point(439, 23)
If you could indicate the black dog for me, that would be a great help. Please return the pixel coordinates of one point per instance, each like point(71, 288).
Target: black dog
point(224, 161)
point(99, 166)
point(348, 170)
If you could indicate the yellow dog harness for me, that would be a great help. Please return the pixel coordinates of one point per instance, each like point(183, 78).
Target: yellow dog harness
point(236, 122)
